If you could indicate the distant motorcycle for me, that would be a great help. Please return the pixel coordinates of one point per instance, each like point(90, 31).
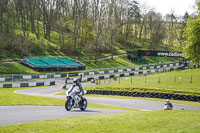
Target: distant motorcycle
point(168, 105)
point(167, 108)
point(70, 102)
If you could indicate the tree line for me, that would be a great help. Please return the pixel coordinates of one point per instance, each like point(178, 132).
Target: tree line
point(94, 26)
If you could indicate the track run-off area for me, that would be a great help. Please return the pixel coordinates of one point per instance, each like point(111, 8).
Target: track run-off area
point(21, 114)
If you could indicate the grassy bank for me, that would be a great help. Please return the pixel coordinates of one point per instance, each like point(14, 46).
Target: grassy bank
point(181, 82)
point(116, 62)
point(123, 61)
point(155, 122)
point(15, 69)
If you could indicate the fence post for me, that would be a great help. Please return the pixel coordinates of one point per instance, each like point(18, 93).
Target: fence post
point(159, 79)
point(131, 80)
point(174, 79)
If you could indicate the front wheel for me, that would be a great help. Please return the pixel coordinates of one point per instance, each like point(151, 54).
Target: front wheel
point(68, 105)
point(83, 104)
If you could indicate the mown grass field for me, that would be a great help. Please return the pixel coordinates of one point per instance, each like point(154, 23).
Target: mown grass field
point(135, 122)
point(181, 82)
point(8, 97)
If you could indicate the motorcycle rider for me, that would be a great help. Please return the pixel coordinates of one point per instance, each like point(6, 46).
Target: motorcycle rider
point(76, 90)
point(66, 81)
point(168, 104)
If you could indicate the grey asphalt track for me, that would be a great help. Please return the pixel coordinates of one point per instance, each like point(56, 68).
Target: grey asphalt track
point(21, 114)
point(130, 103)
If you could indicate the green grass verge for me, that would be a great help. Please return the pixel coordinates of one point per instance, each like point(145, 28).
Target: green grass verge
point(93, 105)
point(151, 122)
point(182, 84)
point(8, 97)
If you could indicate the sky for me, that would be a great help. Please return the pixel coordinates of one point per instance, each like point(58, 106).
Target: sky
point(166, 6)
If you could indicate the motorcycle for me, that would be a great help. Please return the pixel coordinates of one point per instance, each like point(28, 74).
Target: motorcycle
point(167, 107)
point(70, 102)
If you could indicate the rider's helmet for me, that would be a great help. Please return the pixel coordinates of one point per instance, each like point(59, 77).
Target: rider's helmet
point(76, 80)
point(167, 100)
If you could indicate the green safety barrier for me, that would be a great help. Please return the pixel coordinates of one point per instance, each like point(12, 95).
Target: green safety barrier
point(24, 85)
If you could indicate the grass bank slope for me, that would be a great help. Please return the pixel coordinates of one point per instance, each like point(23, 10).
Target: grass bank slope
point(181, 82)
point(116, 62)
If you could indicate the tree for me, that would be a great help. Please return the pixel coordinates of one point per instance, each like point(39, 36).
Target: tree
point(192, 36)
point(171, 24)
point(157, 29)
point(3, 8)
point(144, 10)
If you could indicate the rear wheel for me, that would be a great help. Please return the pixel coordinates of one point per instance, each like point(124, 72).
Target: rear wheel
point(68, 106)
point(83, 104)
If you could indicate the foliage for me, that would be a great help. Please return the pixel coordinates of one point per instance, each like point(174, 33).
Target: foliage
point(192, 35)
point(73, 28)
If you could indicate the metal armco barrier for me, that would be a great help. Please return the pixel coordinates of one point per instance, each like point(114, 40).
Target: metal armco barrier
point(139, 72)
point(146, 94)
point(27, 84)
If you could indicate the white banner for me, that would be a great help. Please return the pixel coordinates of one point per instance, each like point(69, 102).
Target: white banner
point(27, 77)
point(43, 76)
point(32, 84)
point(2, 79)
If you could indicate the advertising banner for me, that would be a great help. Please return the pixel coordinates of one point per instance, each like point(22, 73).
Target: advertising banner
point(159, 53)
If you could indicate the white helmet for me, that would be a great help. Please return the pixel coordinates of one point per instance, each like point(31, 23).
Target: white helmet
point(76, 80)
point(168, 100)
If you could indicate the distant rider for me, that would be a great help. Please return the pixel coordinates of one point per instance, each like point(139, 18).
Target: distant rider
point(168, 105)
point(76, 90)
point(66, 81)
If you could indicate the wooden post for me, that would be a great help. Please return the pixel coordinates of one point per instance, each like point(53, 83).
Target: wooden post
point(159, 79)
point(174, 79)
point(131, 80)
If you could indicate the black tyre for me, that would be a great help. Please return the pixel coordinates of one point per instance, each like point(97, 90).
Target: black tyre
point(68, 106)
point(83, 104)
